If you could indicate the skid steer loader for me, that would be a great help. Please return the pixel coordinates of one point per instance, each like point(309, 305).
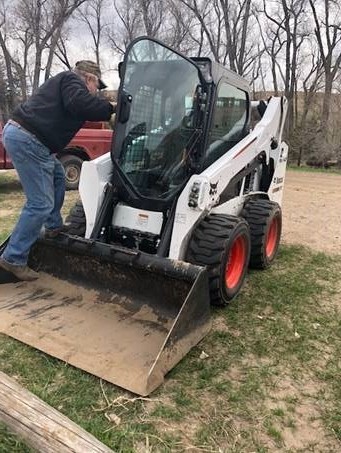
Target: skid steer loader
point(168, 223)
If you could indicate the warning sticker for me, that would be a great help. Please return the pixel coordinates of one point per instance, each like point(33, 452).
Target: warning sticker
point(142, 219)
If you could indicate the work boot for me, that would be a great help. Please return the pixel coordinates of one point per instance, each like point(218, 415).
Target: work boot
point(24, 273)
point(52, 234)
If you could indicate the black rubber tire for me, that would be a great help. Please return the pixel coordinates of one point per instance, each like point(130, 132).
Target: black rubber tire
point(210, 246)
point(72, 167)
point(76, 220)
point(262, 215)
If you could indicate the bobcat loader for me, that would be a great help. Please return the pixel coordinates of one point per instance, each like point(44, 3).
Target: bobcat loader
point(168, 223)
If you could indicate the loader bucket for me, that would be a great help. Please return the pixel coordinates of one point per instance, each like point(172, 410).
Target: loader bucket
point(124, 316)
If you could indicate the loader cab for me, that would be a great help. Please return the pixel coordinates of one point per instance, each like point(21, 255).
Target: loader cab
point(158, 124)
point(175, 116)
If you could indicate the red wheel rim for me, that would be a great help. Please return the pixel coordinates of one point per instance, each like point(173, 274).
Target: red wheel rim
point(236, 262)
point(272, 238)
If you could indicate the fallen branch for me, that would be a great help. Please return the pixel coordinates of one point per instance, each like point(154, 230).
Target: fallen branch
point(42, 427)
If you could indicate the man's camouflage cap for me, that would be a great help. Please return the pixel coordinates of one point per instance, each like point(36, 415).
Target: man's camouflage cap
point(92, 68)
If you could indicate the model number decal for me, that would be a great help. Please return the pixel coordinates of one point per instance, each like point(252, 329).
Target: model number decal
point(277, 189)
point(180, 218)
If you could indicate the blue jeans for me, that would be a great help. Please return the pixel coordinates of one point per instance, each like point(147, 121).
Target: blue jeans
point(43, 180)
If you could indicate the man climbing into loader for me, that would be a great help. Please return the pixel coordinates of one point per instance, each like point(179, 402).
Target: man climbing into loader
point(153, 257)
point(39, 128)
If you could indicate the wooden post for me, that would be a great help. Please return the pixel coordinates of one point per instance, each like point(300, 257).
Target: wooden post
point(42, 427)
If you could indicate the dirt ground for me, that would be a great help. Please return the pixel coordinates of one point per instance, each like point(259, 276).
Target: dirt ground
point(312, 210)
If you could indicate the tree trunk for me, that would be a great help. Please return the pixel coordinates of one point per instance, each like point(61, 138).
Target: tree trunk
point(53, 47)
point(326, 100)
point(37, 68)
point(10, 79)
point(299, 159)
point(274, 74)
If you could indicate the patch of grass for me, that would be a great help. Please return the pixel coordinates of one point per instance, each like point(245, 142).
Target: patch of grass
point(291, 402)
point(9, 443)
point(331, 374)
point(215, 427)
point(182, 398)
point(306, 168)
point(278, 412)
point(166, 412)
point(290, 423)
point(12, 200)
point(8, 181)
point(274, 433)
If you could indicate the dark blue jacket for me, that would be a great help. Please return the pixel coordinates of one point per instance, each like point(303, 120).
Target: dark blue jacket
point(56, 112)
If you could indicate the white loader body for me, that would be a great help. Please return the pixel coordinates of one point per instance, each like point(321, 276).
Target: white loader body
point(205, 187)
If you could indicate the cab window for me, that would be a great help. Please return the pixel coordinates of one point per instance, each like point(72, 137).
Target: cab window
point(229, 121)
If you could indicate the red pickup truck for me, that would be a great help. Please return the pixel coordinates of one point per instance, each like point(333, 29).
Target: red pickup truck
point(90, 142)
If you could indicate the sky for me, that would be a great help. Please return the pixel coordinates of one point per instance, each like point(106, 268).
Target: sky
point(80, 47)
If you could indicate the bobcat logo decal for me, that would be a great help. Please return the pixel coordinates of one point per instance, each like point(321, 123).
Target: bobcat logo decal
point(213, 188)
